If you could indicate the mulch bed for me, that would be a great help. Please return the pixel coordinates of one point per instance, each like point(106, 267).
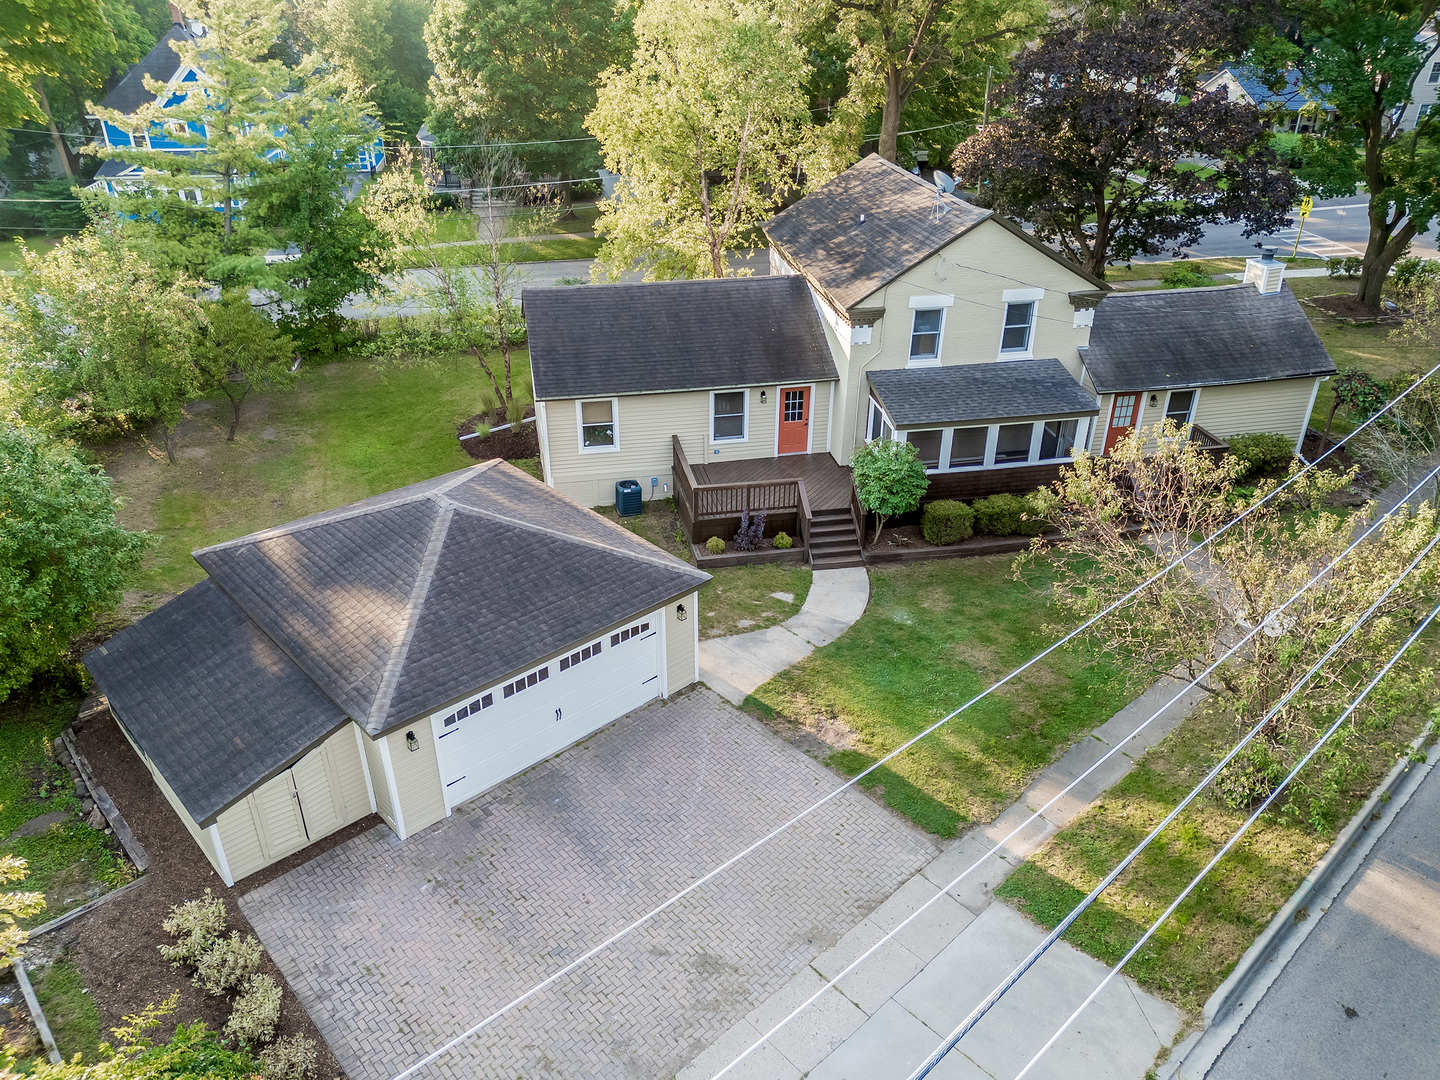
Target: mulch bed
point(115, 947)
point(511, 444)
point(1345, 306)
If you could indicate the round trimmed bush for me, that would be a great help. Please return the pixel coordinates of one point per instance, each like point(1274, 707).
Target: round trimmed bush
point(715, 546)
point(782, 541)
point(999, 515)
point(946, 521)
point(1263, 452)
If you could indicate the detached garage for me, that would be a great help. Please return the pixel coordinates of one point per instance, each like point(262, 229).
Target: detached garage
point(399, 655)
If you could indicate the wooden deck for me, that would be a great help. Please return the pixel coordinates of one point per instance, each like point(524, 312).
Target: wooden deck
point(827, 484)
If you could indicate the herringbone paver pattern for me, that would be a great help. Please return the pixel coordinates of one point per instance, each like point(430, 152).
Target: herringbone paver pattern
point(394, 948)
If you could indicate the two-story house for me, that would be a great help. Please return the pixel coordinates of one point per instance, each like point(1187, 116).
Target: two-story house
point(893, 310)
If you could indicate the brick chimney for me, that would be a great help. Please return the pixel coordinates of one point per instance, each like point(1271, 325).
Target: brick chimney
point(177, 17)
point(1267, 272)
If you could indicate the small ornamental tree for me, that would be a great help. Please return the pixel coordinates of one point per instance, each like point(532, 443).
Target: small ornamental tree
point(241, 349)
point(62, 555)
point(1358, 392)
point(889, 479)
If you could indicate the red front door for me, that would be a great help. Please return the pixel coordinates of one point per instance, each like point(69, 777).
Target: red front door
point(1122, 419)
point(794, 420)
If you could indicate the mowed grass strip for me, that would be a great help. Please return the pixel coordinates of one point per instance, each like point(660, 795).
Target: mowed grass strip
point(934, 635)
point(1191, 955)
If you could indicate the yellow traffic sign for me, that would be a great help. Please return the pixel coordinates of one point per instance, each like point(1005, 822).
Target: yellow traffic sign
point(1306, 204)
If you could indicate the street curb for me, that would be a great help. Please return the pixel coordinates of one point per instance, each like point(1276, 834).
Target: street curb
point(1235, 998)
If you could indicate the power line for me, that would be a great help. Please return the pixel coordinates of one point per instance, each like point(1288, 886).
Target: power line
point(1037, 814)
point(1244, 828)
point(778, 830)
point(996, 994)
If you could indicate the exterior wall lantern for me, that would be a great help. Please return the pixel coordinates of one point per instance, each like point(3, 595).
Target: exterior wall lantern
point(680, 612)
point(1154, 401)
point(411, 742)
point(762, 397)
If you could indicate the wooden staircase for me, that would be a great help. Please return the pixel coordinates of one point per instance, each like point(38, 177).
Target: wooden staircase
point(833, 542)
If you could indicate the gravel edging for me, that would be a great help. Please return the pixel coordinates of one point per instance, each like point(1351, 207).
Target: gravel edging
point(1233, 1000)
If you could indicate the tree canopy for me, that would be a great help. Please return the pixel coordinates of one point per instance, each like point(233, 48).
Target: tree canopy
point(889, 479)
point(525, 71)
point(62, 553)
point(1360, 57)
point(1103, 147)
point(707, 126)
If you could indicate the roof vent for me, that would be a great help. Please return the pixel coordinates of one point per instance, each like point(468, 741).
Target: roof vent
point(1267, 272)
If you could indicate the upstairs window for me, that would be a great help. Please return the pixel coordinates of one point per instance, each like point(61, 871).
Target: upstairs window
point(728, 415)
point(597, 424)
point(925, 335)
point(1180, 406)
point(1019, 320)
point(1435, 72)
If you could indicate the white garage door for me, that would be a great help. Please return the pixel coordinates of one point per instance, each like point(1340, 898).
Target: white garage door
point(510, 727)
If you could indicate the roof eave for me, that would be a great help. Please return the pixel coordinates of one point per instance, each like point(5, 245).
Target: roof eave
point(1318, 373)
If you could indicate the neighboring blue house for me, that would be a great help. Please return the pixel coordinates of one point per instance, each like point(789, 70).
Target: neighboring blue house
point(163, 65)
point(1289, 109)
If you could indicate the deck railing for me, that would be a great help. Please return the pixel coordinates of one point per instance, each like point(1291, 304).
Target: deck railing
point(712, 502)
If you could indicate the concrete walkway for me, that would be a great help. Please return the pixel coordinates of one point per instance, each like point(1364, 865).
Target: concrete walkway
point(883, 1018)
point(735, 666)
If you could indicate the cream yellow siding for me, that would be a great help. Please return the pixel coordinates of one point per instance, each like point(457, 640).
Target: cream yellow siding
point(976, 269)
point(379, 780)
point(1282, 406)
point(680, 644)
point(417, 777)
point(644, 424)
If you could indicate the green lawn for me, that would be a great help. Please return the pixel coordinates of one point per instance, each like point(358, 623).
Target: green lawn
point(70, 1011)
point(342, 434)
point(10, 260)
point(933, 635)
point(68, 861)
point(1192, 954)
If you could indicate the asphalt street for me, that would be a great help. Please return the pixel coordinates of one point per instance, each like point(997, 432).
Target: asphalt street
point(1359, 998)
point(1336, 227)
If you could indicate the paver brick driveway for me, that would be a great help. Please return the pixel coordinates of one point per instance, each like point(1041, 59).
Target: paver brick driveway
point(394, 948)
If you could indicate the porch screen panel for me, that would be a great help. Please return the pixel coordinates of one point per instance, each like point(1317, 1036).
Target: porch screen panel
point(1058, 438)
point(967, 447)
point(1013, 443)
point(927, 443)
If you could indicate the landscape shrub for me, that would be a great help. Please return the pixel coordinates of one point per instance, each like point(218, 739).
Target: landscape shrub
point(229, 962)
point(289, 1058)
point(783, 541)
point(999, 515)
point(1038, 506)
point(1415, 272)
point(946, 521)
point(1336, 266)
point(256, 1011)
point(715, 546)
point(1183, 276)
point(1262, 452)
point(198, 924)
point(1353, 263)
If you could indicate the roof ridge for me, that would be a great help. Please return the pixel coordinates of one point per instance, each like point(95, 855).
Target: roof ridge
point(390, 677)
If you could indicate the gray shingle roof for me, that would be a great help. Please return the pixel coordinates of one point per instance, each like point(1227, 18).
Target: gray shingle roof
point(159, 63)
point(961, 393)
point(1201, 337)
point(652, 337)
point(210, 698)
point(848, 260)
point(399, 604)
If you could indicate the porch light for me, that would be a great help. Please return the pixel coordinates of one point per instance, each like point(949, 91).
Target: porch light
point(680, 612)
point(762, 397)
point(411, 742)
point(1154, 401)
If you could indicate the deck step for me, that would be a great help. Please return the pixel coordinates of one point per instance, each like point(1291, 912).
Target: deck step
point(836, 562)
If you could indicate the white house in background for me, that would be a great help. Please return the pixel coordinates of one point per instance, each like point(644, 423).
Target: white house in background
point(1425, 90)
point(895, 310)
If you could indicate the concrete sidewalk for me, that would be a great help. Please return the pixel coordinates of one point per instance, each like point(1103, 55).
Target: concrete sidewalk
point(882, 1019)
point(735, 666)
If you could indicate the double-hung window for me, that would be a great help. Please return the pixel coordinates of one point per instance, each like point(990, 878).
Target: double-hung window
point(1017, 334)
point(1180, 406)
point(925, 334)
point(727, 415)
point(1435, 73)
point(597, 425)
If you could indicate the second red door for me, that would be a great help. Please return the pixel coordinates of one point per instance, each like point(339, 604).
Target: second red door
point(794, 420)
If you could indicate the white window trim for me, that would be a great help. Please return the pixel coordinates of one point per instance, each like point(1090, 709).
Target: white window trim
point(1020, 296)
point(1084, 431)
point(780, 389)
point(744, 435)
point(928, 302)
point(580, 426)
point(927, 361)
point(1194, 401)
point(875, 407)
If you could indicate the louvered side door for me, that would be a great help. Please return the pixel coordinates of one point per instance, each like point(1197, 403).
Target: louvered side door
point(317, 796)
point(276, 807)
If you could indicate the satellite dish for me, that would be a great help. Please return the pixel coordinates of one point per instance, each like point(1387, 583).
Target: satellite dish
point(944, 183)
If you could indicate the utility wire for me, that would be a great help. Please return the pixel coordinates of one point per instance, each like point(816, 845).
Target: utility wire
point(996, 994)
point(779, 829)
point(1165, 915)
point(1037, 814)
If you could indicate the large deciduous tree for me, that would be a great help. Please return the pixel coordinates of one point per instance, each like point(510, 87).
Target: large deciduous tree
point(524, 71)
point(1361, 57)
point(707, 126)
point(62, 556)
point(1111, 150)
point(899, 47)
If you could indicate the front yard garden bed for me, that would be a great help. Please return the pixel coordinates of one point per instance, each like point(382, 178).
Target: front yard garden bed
point(935, 633)
point(905, 543)
point(734, 557)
